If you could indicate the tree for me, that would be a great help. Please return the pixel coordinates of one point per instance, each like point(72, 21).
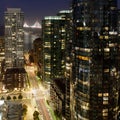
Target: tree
point(24, 109)
point(38, 73)
point(36, 115)
point(2, 98)
point(8, 97)
point(20, 96)
point(14, 98)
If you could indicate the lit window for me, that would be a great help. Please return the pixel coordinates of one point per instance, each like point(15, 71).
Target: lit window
point(101, 37)
point(100, 94)
point(106, 49)
point(105, 98)
point(106, 37)
point(106, 94)
point(83, 58)
point(106, 70)
point(106, 28)
point(105, 112)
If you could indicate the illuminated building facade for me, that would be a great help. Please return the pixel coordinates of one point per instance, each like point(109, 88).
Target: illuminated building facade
point(53, 47)
point(56, 34)
point(14, 19)
point(96, 56)
point(15, 78)
point(15, 75)
point(2, 55)
point(69, 99)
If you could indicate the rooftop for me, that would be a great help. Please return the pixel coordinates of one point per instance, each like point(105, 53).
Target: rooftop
point(15, 70)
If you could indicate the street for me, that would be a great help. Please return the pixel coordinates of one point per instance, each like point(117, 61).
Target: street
point(38, 93)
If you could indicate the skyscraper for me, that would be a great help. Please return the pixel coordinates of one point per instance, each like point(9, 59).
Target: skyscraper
point(14, 48)
point(2, 55)
point(14, 19)
point(56, 36)
point(95, 67)
point(54, 47)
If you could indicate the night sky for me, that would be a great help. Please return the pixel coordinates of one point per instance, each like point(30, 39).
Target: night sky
point(36, 9)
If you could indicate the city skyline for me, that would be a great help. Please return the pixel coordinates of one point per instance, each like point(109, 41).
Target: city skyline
point(68, 68)
point(34, 10)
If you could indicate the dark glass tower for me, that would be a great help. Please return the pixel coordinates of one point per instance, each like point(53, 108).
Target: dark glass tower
point(56, 37)
point(54, 47)
point(95, 67)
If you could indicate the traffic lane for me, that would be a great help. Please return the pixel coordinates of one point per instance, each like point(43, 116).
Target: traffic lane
point(45, 113)
point(34, 83)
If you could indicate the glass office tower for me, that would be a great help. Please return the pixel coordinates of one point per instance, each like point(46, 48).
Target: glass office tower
point(14, 19)
point(53, 47)
point(56, 37)
point(95, 66)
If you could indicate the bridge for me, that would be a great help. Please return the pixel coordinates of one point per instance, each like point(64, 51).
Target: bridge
point(35, 25)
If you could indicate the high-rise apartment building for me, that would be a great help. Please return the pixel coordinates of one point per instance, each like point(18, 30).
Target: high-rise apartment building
point(14, 19)
point(14, 48)
point(55, 37)
point(56, 34)
point(67, 14)
point(53, 47)
point(2, 56)
point(96, 54)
